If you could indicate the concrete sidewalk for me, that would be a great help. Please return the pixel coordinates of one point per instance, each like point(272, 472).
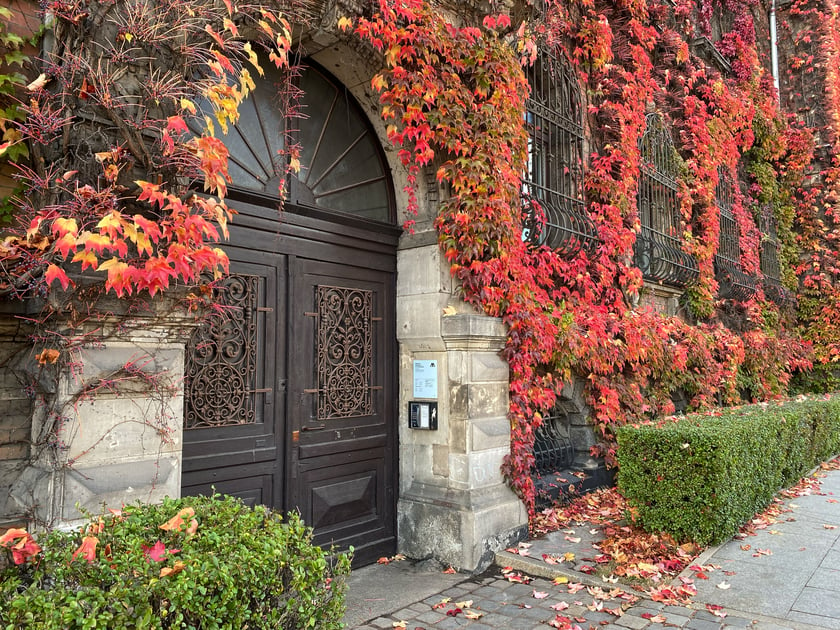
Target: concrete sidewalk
point(793, 582)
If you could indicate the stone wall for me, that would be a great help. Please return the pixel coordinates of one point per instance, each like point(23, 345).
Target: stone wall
point(101, 426)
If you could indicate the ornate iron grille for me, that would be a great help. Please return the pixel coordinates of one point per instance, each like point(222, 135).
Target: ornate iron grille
point(658, 253)
point(733, 283)
point(553, 449)
point(554, 212)
point(221, 364)
point(345, 352)
point(769, 259)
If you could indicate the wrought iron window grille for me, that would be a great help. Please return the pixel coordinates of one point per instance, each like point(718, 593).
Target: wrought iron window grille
point(733, 282)
point(553, 206)
point(658, 252)
point(221, 370)
point(769, 260)
point(553, 448)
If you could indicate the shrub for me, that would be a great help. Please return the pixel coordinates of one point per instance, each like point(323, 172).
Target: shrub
point(196, 562)
point(703, 476)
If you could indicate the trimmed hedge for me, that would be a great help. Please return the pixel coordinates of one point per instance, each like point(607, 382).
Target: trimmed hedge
point(703, 476)
point(241, 568)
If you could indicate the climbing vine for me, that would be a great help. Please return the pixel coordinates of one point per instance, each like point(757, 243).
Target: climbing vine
point(454, 96)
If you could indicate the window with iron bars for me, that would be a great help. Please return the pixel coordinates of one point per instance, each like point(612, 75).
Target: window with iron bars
point(769, 259)
point(658, 252)
point(733, 283)
point(553, 207)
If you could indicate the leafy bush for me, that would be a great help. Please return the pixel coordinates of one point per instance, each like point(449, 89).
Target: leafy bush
point(701, 477)
point(197, 562)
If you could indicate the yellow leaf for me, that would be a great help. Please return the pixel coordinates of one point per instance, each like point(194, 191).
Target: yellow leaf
point(561, 579)
point(344, 23)
point(188, 106)
point(568, 557)
point(38, 83)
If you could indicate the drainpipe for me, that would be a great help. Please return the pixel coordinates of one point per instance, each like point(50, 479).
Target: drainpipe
point(774, 49)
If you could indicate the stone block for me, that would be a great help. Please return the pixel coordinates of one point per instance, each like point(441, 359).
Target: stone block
point(420, 271)
point(110, 430)
point(146, 480)
point(469, 526)
point(440, 460)
point(488, 367)
point(418, 321)
point(489, 433)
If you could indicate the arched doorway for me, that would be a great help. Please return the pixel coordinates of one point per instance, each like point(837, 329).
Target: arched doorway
point(291, 388)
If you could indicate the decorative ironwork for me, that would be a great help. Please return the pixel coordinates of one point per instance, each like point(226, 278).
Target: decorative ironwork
point(345, 352)
point(658, 253)
point(769, 260)
point(733, 283)
point(553, 449)
point(554, 181)
point(221, 364)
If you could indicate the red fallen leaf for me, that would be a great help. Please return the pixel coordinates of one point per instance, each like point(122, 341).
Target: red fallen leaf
point(716, 610)
point(449, 571)
point(24, 548)
point(603, 558)
point(829, 526)
point(729, 572)
point(512, 550)
point(654, 618)
point(587, 569)
point(560, 606)
point(442, 603)
point(746, 547)
point(453, 612)
point(158, 551)
point(762, 552)
point(539, 594)
point(549, 559)
point(701, 576)
point(575, 587)
point(87, 549)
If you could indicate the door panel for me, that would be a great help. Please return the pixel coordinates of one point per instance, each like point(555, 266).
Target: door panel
point(235, 386)
point(342, 416)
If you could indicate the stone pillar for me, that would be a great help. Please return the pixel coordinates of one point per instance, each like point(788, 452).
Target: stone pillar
point(107, 421)
point(454, 505)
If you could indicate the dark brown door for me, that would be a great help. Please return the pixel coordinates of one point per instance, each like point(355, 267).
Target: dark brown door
point(234, 421)
point(342, 415)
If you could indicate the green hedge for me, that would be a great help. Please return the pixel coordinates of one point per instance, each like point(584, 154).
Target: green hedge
point(703, 476)
point(242, 568)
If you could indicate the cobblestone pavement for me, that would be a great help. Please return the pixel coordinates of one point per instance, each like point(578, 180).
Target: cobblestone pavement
point(500, 604)
point(785, 574)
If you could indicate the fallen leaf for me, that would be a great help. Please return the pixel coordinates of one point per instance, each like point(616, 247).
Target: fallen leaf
point(539, 594)
point(573, 539)
point(559, 606)
point(442, 603)
point(654, 618)
point(453, 612)
point(724, 585)
point(575, 587)
point(465, 604)
point(472, 614)
point(775, 532)
point(176, 568)
point(568, 557)
point(399, 624)
point(716, 610)
point(830, 526)
point(746, 547)
point(561, 579)
point(612, 579)
point(449, 571)
point(762, 552)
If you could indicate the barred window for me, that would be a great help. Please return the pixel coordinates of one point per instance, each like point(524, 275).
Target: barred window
point(554, 212)
point(733, 283)
point(769, 258)
point(658, 253)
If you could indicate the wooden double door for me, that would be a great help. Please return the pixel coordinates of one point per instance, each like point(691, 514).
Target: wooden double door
point(291, 385)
